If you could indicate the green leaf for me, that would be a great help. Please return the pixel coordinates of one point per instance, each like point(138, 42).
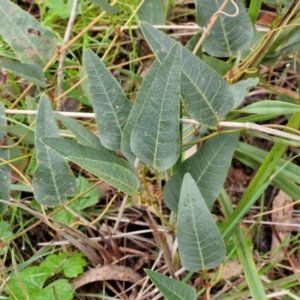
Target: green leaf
point(84, 136)
point(152, 11)
point(208, 166)
point(253, 10)
point(61, 8)
point(54, 262)
point(109, 101)
point(140, 104)
point(218, 65)
point(36, 47)
point(28, 284)
point(60, 289)
point(5, 236)
point(271, 107)
point(206, 95)
point(87, 200)
point(200, 243)
point(5, 233)
point(32, 280)
point(291, 171)
point(19, 131)
point(229, 34)
point(105, 6)
point(5, 172)
point(256, 287)
point(74, 265)
point(53, 181)
point(155, 136)
point(71, 266)
point(31, 72)
point(115, 171)
point(171, 288)
point(241, 89)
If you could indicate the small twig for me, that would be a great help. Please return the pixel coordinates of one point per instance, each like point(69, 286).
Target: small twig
point(246, 125)
point(294, 225)
point(273, 210)
point(62, 57)
point(100, 239)
point(65, 113)
point(133, 27)
point(250, 126)
point(187, 26)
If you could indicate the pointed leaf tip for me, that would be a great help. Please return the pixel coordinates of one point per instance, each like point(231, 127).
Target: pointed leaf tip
point(200, 243)
point(155, 136)
point(208, 166)
point(53, 181)
point(207, 97)
point(110, 104)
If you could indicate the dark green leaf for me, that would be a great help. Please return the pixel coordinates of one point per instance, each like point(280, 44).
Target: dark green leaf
point(208, 166)
point(171, 288)
point(84, 136)
point(155, 136)
point(206, 95)
point(31, 42)
point(218, 65)
point(115, 171)
point(109, 101)
point(200, 243)
point(53, 180)
point(140, 104)
point(19, 131)
point(229, 34)
point(31, 72)
point(241, 89)
point(152, 11)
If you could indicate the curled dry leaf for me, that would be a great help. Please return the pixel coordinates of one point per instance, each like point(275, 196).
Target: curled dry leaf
point(231, 269)
point(2, 78)
point(283, 213)
point(108, 272)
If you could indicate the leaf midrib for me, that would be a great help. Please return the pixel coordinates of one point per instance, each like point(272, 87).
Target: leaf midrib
point(24, 36)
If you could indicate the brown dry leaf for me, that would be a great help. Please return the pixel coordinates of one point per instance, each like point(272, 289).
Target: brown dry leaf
point(282, 214)
point(231, 269)
point(108, 272)
point(266, 18)
point(3, 78)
